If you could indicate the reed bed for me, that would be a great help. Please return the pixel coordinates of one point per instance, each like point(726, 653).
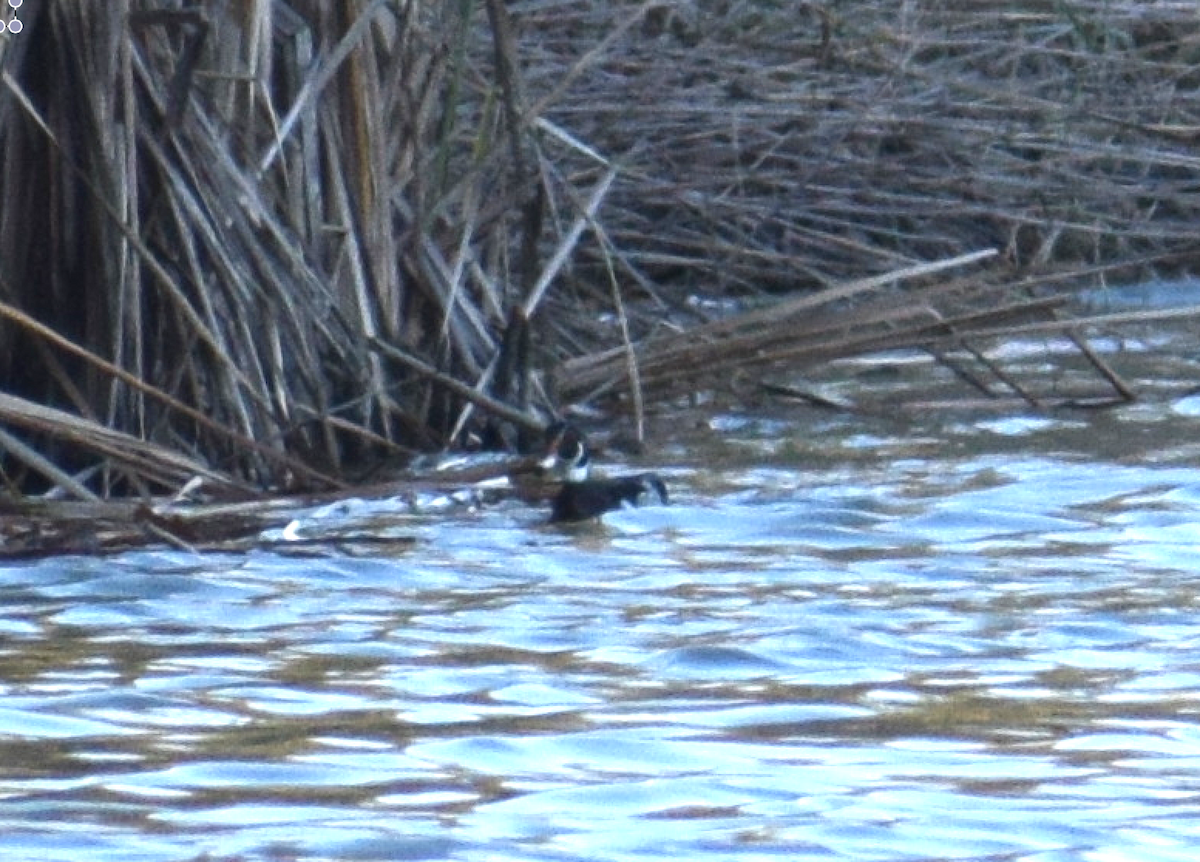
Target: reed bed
point(768, 153)
point(267, 242)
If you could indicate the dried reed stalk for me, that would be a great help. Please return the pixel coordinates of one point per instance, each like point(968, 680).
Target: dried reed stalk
point(768, 153)
point(221, 214)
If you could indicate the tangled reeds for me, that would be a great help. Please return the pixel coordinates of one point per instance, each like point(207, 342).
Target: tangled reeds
point(270, 240)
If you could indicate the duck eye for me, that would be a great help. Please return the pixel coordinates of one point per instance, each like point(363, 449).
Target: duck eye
point(571, 449)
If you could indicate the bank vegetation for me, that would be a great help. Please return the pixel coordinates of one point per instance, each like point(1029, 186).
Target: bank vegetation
point(269, 243)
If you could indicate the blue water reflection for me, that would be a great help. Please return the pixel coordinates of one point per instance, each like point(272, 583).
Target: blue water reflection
point(975, 641)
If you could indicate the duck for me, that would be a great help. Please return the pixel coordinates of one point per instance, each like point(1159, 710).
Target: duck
point(582, 498)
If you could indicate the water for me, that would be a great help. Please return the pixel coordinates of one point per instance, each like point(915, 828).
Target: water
point(955, 636)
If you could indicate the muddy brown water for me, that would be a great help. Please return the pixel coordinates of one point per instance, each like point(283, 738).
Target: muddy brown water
point(953, 635)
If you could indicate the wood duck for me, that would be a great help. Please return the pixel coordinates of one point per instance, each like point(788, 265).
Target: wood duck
point(582, 497)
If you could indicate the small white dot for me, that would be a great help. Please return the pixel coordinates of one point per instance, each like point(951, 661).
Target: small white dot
point(14, 26)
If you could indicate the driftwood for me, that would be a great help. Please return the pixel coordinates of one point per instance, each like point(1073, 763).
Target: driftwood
point(34, 528)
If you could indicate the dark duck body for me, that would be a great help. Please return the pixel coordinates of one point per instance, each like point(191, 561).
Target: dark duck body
point(581, 497)
point(582, 501)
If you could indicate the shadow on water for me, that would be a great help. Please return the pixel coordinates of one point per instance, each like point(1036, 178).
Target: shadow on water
point(956, 636)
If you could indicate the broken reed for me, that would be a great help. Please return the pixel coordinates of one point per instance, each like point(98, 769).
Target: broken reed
point(284, 235)
point(854, 138)
point(233, 206)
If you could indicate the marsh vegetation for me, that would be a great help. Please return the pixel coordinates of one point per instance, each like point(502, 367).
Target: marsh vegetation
point(271, 244)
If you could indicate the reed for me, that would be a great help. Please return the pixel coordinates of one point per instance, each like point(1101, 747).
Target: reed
point(268, 242)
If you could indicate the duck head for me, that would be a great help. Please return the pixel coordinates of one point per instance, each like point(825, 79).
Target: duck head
point(567, 458)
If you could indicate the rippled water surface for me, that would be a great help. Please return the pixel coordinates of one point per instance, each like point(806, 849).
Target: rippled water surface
point(960, 637)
